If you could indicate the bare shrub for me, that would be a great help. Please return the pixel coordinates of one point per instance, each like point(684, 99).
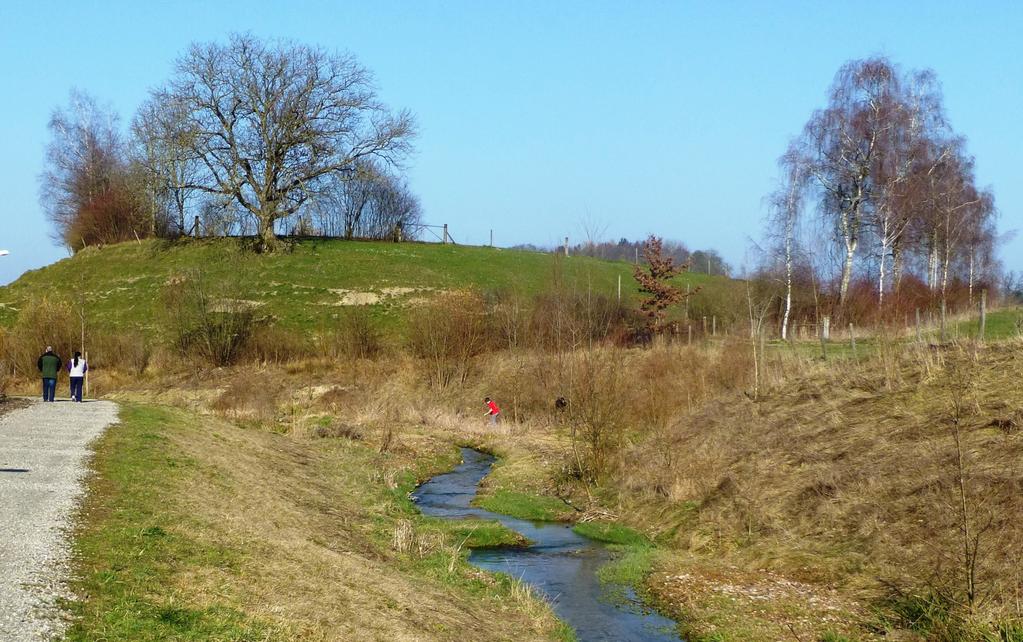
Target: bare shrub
point(203, 321)
point(253, 398)
point(568, 319)
point(43, 322)
point(129, 350)
point(357, 335)
point(510, 312)
point(268, 344)
point(336, 430)
point(6, 362)
point(448, 334)
point(595, 381)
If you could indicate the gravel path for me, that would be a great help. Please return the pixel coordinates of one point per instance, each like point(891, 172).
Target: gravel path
point(43, 452)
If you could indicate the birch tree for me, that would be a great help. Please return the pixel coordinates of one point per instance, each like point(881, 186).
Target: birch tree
point(786, 207)
point(838, 148)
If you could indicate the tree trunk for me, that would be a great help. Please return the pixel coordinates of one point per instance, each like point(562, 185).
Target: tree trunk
point(971, 276)
point(932, 262)
point(267, 242)
point(880, 272)
point(847, 266)
point(788, 290)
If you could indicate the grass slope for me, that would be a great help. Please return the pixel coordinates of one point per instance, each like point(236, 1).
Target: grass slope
point(303, 287)
point(195, 529)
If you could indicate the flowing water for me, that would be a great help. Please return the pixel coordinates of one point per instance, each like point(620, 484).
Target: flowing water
point(559, 562)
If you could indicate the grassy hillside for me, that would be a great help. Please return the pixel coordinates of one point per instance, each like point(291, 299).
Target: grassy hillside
point(305, 287)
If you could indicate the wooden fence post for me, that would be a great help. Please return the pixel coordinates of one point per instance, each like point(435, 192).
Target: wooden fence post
point(714, 326)
point(445, 234)
point(704, 326)
point(566, 246)
point(195, 228)
point(689, 327)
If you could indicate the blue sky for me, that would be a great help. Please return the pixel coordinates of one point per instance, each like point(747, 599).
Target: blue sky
point(540, 119)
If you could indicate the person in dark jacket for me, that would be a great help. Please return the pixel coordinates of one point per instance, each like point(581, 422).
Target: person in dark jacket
point(49, 365)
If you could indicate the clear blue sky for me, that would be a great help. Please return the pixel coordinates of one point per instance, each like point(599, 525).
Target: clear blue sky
point(537, 117)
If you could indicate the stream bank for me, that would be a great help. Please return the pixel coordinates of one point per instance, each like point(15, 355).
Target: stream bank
point(559, 562)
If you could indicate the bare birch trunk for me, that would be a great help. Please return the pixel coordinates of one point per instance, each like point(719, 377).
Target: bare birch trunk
point(932, 262)
point(847, 265)
point(971, 276)
point(880, 271)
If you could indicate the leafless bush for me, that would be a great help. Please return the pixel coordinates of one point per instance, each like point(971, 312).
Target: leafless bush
point(253, 398)
point(203, 321)
point(596, 381)
point(42, 322)
point(130, 350)
point(567, 319)
point(6, 362)
point(272, 344)
point(335, 430)
point(448, 334)
point(357, 335)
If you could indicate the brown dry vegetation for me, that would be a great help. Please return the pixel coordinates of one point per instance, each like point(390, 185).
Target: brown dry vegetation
point(312, 521)
point(832, 500)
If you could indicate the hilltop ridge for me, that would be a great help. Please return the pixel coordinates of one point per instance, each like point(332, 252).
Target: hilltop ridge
point(306, 286)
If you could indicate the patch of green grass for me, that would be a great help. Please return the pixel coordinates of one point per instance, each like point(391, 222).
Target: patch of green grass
point(1001, 324)
point(485, 534)
point(129, 549)
point(630, 566)
point(536, 508)
point(612, 533)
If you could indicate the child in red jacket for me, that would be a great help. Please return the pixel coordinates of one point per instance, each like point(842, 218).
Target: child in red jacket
point(492, 410)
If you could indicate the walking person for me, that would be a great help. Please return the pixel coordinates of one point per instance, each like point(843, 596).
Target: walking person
point(76, 369)
point(49, 365)
point(492, 411)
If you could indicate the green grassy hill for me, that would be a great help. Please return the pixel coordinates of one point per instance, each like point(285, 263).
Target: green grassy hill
point(308, 286)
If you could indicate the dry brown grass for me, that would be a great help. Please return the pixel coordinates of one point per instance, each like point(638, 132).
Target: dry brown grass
point(837, 477)
point(847, 477)
point(321, 560)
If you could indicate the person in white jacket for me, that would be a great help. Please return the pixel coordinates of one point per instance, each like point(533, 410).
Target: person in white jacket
point(76, 369)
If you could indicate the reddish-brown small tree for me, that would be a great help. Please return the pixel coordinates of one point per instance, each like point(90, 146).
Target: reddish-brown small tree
point(654, 279)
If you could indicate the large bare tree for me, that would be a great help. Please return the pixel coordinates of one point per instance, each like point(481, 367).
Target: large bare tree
point(267, 123)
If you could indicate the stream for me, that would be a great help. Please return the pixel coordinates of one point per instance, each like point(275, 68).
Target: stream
point(560, 563)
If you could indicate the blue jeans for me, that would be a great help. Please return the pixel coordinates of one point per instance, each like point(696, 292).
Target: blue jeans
point(49, 389)
point(76, 388)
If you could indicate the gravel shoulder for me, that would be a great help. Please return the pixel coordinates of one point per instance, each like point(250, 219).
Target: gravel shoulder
point(44, 451)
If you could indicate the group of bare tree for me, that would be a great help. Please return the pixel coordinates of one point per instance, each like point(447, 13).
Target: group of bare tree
point(700, 261)
point(89, 188)
point(891, 190)
point(707, 261)
point(248, 136)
